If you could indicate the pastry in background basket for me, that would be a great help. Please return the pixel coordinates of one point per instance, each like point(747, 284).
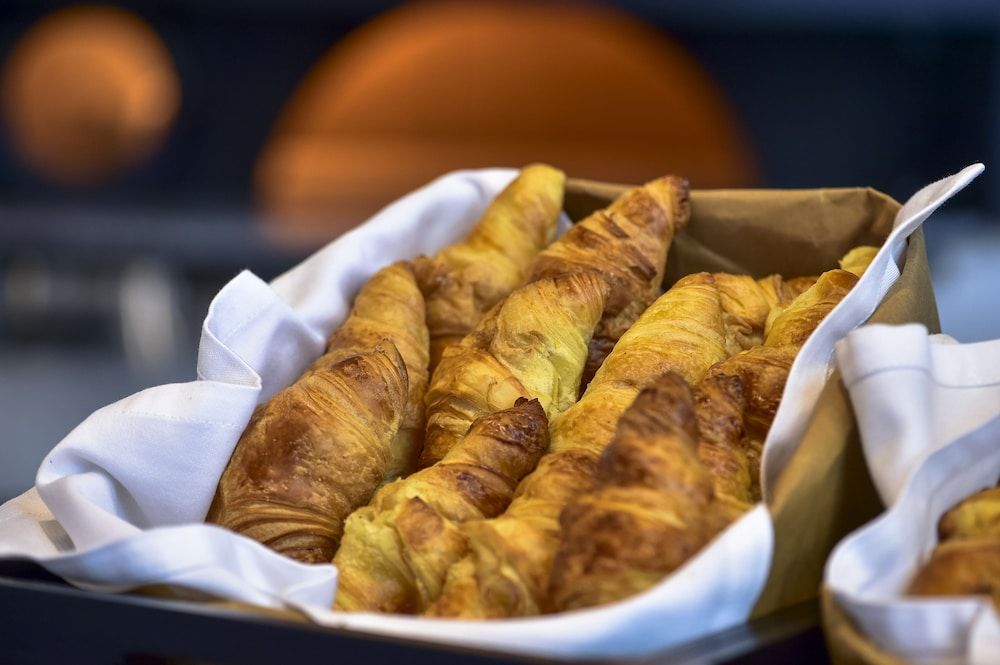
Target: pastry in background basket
point(966, 561)
point(396, 550)
point(318, 449)
point(464, 280)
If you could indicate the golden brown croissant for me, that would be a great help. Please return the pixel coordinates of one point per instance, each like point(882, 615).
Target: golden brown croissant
point(396, 551)
point(967, 559)
point(464, 280)
point(779, 293)
point(651, 510)
point(858, 259)
point(627, 244)
point(533, 344)
point(720, 402)
point(961, 568)
point(763, 370)
point(800, 318)
point(312, 454)
point(390, 306)
point(976, 517)
point(507, 570)
point(747, 305)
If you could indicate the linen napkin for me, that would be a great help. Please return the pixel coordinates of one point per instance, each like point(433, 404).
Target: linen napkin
point(929, 415)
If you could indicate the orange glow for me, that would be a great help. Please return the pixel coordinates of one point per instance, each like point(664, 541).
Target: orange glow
point(87, 92)
point(434, 86)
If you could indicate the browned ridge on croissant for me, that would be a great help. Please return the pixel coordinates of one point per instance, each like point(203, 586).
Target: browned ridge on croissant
point(720, 403)
point(627, 244)
point(652, 508)
point(396, 551)
point(312, 454)
point(533, 344)
point(463, 281)
point(390, 306)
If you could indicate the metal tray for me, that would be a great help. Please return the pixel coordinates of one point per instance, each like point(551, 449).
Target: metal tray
point(45, 620)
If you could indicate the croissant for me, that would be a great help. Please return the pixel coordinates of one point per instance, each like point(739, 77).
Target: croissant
point(720, 402)
point(396, 551)
point(533, 344)
point(312, 454)
point(652, 507)
point(976, 517)
point(857, 259)
point(747, 305)
point(390, 306)
point(763, 370)
point(506, 572)
point(464, 280)
point(627, 243)
point(967, 559)
point(797, 322)
point(790, 290)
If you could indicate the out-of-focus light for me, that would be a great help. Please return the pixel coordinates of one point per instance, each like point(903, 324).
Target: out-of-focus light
point(434, 86)
point(87, 92)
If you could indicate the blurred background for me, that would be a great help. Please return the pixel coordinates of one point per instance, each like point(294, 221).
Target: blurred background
point(150, 150)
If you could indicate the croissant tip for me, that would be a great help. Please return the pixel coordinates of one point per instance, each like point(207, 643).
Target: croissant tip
point(541, 167)
point(388, 348)
point(677, 192)
point(730, 383)
point(528, 402)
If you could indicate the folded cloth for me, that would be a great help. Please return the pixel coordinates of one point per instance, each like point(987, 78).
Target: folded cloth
point(928, 410)
point(106, 495)
point(812, 365)
point(119, 502)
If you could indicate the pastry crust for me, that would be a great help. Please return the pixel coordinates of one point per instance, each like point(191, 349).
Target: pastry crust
point(312, 454)
point(626, 243)
point(506, 572)
point(396, 551)
point(653, 506)
point(967, 560)
point(720, 404)
point(463, 281)
point(390, 306)
point(533, 344)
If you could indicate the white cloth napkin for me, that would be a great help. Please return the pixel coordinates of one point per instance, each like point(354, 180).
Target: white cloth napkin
point(119, 502)
point(812, 365)
point(929, 416)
